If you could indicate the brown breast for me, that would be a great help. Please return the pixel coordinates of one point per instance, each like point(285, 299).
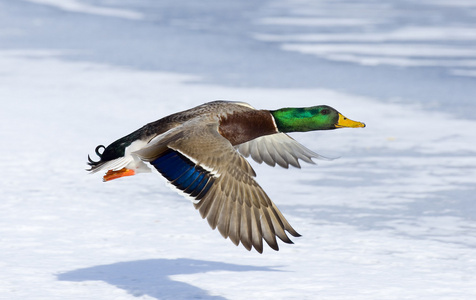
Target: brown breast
point(241, 127)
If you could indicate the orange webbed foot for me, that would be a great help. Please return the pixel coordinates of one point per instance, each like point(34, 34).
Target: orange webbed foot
point(110, 175)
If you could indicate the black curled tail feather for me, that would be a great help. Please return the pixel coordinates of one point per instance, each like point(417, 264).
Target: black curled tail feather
point(93, 164)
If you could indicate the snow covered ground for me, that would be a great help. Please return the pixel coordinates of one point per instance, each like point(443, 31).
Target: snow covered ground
point(393, 218)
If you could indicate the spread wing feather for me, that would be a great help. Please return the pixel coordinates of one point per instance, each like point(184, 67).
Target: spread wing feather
point(233, 201)
point(279, 149)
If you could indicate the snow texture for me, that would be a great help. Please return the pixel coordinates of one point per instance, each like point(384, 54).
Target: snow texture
point(394, 217)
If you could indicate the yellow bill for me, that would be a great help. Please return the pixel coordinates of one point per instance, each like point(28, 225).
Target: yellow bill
point(344, 122)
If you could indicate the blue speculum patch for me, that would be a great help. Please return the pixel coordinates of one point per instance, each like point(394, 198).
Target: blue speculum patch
point(183, 173)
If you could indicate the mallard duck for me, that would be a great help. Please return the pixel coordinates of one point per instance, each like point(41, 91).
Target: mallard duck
point(201, 151)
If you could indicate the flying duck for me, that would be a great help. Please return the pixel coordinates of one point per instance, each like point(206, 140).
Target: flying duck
point(201, 152)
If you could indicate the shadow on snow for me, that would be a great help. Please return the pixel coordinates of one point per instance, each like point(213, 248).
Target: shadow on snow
point(151, 277)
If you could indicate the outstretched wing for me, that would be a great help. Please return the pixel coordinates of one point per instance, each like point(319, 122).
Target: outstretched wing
point(279, 149)
point(204, 165)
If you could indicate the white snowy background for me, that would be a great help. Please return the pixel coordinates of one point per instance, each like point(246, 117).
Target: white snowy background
point(394, 217)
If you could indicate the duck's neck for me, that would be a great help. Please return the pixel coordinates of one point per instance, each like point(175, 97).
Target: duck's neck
point(303, 119)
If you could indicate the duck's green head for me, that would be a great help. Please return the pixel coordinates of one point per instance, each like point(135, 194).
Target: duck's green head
point(320, 117)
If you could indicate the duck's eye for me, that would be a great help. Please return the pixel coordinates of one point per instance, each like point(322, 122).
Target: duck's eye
point(324, 112)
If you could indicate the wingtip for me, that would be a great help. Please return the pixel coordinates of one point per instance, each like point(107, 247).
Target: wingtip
point(293, 232)
point(258, 249)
